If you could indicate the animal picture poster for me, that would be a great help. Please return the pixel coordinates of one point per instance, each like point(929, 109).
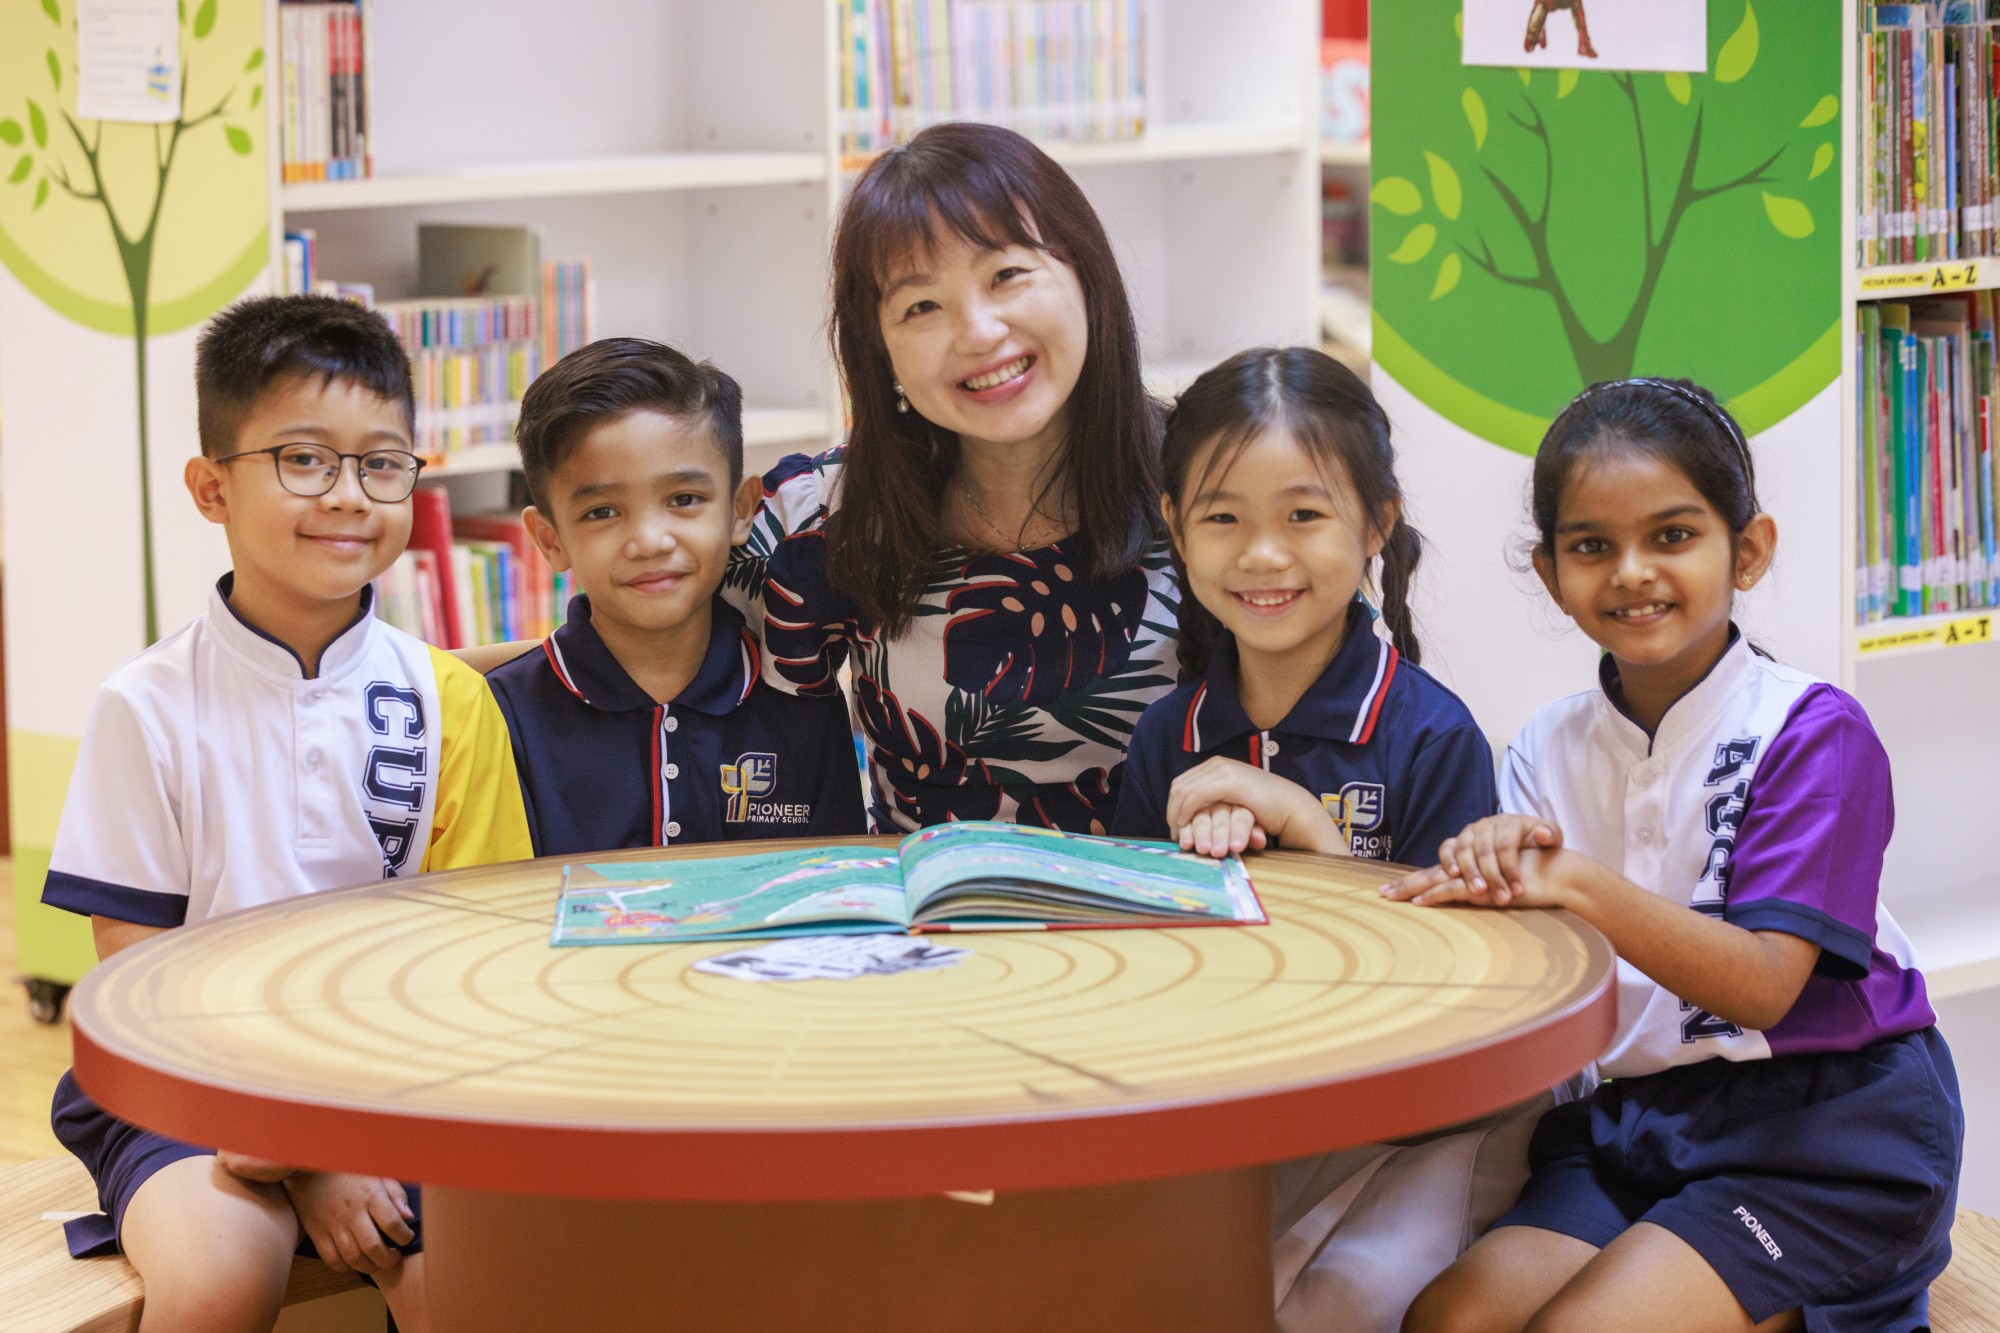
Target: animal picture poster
point(1656, 35)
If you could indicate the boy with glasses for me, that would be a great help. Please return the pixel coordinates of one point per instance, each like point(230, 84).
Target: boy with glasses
point(287, 742)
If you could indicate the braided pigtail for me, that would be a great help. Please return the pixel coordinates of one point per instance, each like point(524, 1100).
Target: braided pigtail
point(1401, 553)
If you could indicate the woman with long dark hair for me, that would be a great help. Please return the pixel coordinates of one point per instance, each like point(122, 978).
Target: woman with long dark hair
point(986, 544)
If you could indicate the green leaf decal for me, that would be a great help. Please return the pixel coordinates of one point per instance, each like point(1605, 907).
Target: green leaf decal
point(1822, 159)
point(1828, 108)
point(1448, 274)
point(1396, 194)
point(10, 132)
point(1458, 24)
point(1679, 88)
point(55, 14)
point(1565, 83)
point(55, 70)
point(1475, 116)
point(256, 95)
point(1415, 246)
point(38, 124)
point(1789, 216)
point(1738, 54)
point(1445, 188)
point(239, 139)
point(42, 192)
point(204, 19)
point(1526, 77)
point(256, 60)
point(21, 169)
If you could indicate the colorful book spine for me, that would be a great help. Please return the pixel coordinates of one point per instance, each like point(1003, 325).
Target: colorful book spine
point(1051, 69)
point(323, 120)
point(1928, 132)
point(1927, 537)
point(471, 359)
point(482, 582)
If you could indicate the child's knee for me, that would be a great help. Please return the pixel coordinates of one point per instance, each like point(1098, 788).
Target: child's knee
point(212, 1251)
point(210, 1300)
point(1447, 1305)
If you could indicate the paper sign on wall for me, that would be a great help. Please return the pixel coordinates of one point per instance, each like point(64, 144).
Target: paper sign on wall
point(128, 60)
point(1588, 34)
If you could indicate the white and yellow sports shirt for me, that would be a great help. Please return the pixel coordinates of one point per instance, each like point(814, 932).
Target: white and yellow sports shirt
point(216, 775)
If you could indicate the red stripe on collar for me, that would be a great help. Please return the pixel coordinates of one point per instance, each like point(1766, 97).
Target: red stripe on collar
point(554, 655)
point(1381, 693)
point(1190, 736)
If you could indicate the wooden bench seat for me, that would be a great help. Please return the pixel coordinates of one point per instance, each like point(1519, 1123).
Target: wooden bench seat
point(1967, 1298)
point(43, 1290)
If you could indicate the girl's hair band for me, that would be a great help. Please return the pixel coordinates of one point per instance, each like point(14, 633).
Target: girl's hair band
point(1707, 405)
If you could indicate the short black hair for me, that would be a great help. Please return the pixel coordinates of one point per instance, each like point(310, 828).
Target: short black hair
point(260, 341)
point(1676, 421)
point(608, 378)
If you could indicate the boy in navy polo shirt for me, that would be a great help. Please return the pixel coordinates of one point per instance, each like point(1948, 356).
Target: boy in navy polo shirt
point(643, 720)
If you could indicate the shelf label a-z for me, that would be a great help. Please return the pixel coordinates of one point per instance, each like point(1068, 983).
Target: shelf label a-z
point(1959, 276)
point(1940, 634)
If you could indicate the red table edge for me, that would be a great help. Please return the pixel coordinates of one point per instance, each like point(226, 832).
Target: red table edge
point(773, 1164)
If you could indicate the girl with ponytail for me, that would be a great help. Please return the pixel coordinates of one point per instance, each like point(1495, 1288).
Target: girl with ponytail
point(1299, 721)
point(1305, 721)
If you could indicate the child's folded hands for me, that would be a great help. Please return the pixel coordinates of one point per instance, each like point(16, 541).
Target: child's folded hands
point(355, 1222)
point(1500, 861)
point(1222, 806)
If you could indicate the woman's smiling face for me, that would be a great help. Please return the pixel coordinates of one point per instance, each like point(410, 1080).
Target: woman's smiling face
point(987, 343)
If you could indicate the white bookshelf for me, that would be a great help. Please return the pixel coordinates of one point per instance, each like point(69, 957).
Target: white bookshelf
point(691, 152)
point(1341, 293)
point(637, 174)
point(1931, 684)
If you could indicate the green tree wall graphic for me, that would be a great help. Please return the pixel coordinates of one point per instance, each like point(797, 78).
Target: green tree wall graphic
point(1537, 231)
point(127, 228)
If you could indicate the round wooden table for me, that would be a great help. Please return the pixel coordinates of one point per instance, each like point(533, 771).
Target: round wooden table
point(609, 1138)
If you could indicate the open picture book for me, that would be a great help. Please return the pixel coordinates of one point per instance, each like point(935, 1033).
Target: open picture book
point(970, 876)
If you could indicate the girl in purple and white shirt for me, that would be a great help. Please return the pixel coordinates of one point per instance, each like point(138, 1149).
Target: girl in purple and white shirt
point(1778, 1144)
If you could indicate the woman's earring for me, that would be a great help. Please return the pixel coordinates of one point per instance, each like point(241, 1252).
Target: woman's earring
point(1745, 580)
point(902, 403)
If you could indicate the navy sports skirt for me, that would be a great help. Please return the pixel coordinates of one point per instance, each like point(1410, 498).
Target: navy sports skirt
point(1824, 1181)
point(121, 1157)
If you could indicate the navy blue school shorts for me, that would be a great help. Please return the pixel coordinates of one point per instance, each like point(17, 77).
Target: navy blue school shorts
point(1823, 1181)
point(122, 1157)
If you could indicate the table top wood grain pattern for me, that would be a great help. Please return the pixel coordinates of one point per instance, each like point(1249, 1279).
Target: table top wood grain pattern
point(426, 1029)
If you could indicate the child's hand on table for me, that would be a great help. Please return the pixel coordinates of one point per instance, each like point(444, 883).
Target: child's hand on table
point(355, 1222)
point(1500, 861)
point(1223, 806)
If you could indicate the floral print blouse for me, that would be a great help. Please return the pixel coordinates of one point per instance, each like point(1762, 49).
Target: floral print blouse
point(1014, 691)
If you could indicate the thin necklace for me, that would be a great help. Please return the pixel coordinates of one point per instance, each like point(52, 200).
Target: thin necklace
point(1019, 541)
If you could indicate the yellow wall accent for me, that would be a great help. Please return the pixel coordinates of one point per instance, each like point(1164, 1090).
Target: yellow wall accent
point(38, 768)
point(50, 944)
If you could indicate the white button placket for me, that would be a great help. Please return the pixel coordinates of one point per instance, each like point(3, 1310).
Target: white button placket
point(1645, 839)
point(670, 827)
point(317, 771)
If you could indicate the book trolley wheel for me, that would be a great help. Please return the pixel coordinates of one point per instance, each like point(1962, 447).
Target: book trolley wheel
point(45, 1000)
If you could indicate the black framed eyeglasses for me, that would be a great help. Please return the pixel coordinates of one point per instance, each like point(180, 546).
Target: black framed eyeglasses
point(387, 475)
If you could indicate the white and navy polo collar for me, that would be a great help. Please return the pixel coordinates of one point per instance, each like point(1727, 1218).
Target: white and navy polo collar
point(273, 655)
point(586, 668)
point(1342, 705)
point(1694, 711)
